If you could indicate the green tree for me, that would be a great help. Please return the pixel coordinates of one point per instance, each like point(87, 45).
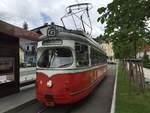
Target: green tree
point(126, 24)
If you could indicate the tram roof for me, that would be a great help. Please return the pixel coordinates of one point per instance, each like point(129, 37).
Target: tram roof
point(76, 36)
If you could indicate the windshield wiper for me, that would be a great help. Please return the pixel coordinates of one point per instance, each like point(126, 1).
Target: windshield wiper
point(65, 65)
point(50, 60)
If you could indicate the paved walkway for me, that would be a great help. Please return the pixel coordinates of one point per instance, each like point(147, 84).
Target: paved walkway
point(146, 73)
point(12, 101)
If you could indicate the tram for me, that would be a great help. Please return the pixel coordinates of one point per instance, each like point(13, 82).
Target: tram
point(70, 64)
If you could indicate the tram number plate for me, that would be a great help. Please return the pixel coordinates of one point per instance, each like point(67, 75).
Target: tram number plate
point(48, 97)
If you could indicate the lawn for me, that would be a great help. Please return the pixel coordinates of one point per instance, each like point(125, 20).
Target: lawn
point(133, 102)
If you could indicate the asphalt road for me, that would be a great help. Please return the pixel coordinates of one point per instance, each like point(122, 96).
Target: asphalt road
point(99, 101)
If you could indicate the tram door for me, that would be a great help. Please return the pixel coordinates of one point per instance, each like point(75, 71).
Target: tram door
point(9, 65)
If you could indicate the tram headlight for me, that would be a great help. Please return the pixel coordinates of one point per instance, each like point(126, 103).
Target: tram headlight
point(49, 83)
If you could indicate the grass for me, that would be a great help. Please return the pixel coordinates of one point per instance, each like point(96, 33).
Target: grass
point(133, 102)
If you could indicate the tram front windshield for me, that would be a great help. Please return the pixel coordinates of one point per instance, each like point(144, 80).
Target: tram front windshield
point(55, 58)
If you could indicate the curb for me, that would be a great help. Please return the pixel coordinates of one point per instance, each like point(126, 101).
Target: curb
point(113, 104)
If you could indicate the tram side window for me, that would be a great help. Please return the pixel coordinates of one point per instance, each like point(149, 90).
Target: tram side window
point(97, 57)
point(104, 59)
point(93, 57)
point(82, 57)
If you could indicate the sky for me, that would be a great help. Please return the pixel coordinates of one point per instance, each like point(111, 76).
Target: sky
point(38, 12)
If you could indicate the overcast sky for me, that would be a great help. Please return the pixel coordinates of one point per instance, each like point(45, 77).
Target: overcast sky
point(38, 12)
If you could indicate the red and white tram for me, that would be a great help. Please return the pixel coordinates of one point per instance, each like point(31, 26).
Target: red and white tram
point(69, 66)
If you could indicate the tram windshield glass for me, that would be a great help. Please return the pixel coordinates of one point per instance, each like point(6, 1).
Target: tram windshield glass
point(55, 58)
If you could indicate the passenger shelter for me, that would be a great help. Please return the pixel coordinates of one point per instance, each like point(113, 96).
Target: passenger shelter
point(9, 56)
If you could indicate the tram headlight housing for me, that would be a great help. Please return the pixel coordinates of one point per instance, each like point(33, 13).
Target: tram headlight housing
point(49, 83)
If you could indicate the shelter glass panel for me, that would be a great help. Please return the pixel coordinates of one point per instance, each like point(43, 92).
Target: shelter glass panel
point(97, 57)
point(7, 69)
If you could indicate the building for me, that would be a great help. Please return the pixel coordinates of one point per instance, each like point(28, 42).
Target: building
point(9, 56)
point(43, 29)
point(108, 48)
point(29, 51)
point(146, 50)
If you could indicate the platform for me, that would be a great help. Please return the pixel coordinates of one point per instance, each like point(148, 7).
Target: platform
point(25, 95)
point(99, 101)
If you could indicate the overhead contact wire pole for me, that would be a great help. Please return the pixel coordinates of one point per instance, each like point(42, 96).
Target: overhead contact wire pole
point(79, 11)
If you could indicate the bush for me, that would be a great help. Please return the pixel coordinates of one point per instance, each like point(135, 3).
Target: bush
point(146, 63)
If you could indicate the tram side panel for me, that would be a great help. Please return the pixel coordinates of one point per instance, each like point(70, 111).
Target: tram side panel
point(68, 88)
point(83, 83)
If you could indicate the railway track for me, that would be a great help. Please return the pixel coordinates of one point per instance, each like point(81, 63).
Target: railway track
point(42, 110)
point(67, 109)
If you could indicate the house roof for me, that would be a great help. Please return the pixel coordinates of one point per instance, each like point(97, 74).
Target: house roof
point(147, 48)
point(18, 32)
point(38, 28)
point(46, 25)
